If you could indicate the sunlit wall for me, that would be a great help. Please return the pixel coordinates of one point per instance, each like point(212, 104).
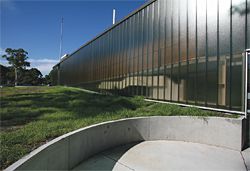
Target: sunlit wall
point(184, 51)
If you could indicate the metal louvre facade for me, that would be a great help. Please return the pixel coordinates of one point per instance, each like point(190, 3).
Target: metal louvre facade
point(182, 51)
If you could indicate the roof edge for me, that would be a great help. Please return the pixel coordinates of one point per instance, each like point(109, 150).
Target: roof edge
point(108, 29)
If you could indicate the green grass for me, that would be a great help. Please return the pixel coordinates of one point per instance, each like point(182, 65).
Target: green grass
point(31, 116)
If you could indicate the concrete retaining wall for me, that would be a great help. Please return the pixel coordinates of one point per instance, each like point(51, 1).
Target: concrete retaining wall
point(66, 151)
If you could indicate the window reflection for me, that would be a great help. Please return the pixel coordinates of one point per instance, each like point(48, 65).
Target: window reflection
point(186, 51)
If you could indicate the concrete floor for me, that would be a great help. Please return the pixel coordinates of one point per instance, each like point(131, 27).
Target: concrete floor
point(168, 155)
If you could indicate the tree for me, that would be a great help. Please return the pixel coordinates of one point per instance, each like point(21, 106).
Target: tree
point(31, 77)
point(47, 79)
point(17, 58)
point(4, 74)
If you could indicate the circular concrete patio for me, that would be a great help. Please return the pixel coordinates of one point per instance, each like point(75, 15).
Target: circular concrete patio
point(174, 143)
point(165, 155)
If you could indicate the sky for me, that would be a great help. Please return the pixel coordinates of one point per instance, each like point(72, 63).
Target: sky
point(35, 25)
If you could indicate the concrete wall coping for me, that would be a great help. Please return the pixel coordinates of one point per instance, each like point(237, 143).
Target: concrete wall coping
point(78, 145)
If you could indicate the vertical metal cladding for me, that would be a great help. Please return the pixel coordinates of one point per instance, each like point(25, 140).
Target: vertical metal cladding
point(184, 51)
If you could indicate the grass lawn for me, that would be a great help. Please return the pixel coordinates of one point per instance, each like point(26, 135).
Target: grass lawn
point(31, 116)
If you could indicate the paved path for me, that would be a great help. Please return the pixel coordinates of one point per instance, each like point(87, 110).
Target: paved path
point(246, 157)
point(168, 155)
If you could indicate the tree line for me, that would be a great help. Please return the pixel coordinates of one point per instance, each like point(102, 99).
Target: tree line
point(17, 73)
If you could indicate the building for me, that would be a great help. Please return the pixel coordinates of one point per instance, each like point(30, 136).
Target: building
point(183, 51)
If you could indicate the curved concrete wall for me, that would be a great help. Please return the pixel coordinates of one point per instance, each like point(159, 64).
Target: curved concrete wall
point(68, 150)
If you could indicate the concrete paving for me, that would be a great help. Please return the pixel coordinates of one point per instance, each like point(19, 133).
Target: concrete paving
point(168, 155)
point(246, 156)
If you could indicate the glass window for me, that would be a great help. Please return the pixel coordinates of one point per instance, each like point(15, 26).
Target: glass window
point(201, 52)
point(224, 56)
point(212, 78)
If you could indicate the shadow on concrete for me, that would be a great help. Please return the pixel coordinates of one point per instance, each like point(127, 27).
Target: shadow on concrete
point(107, 160)
point(167, 155)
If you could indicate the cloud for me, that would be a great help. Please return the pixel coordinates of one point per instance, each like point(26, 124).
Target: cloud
point(44, 65)
point(1, 51)
point(4, 62)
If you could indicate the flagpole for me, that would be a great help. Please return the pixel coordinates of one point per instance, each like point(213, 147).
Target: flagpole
point(61, 40)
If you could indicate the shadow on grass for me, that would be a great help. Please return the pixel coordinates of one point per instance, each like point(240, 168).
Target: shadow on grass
point(23, 108)
point(35, 117)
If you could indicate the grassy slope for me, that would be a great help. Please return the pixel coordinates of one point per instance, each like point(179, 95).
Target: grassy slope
point(30, 116)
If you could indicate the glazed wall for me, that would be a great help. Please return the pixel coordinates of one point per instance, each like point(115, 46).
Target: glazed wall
point(184, 51)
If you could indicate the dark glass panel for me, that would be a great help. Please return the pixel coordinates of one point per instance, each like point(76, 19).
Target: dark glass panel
point(238, 46)
point(145, 56)
point(201, 81)
point(150, 28)
point(137, 42)
point(129, 54)
point(183, 82)
point(192, 82)
point(132, 57)
point(224, 27)
point(116, 56)
point(183, 52)
point(175, 46)
point(162, 18)
point(114, 45)
point(155, 75)
point(110, 60)
point(140, 52)
point(175, 82)
point(120, 60)
point(111, 35)
point(237, 80)
point(151, 60)
point(98, 60)
point(116, 66)
point(175, 31)
point(126, 56)
point(192, 29)
point(224, 50)
point(222, 80)
point(106, 60)
point(156, 25)
point(156, 49)
point(161, 74)
point(145, 30)
point(183, 30)
point(141, 60)
point(238, 26)
point(145, 38)
point(149, 74)
point(201, 25)
point(150, 50)
point(167, 80)
point(212, 81)
point(168, 52)
point(212, 77)
point(248, 25)
point(201, 50)
point(136, 34)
